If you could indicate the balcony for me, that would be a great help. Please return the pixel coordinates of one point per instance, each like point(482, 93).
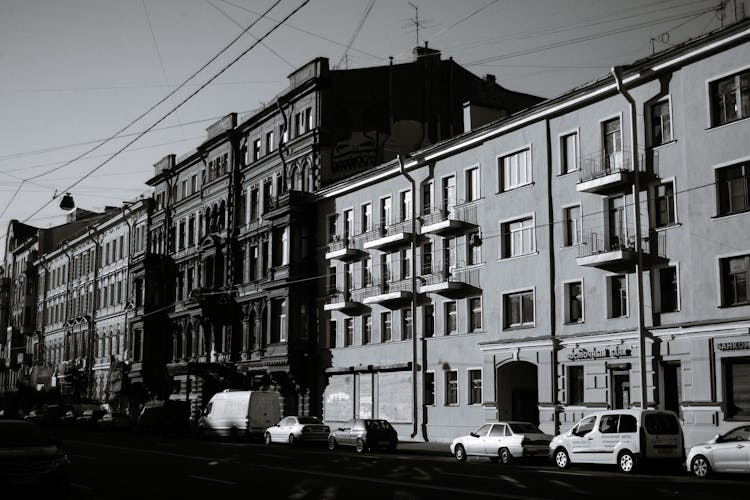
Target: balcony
point(446, 221)
point(390, 294)
point(608, 173)
point(617, 253)
point(339, 300)
point(388, 236)
point(344, 248)
point(451, 282)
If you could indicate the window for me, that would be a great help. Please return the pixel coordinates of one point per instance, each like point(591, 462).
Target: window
point(427, 258)
point(185, 191)
point(449, 192)
point(612, 145)
point(661, 123)
point(575, 385)
point(574, 302)
point(451, 318)
point(730, 98)
point(348, 224)
point(618, 296)
point(348, 332)
point(428, 312)
point(735, 280)
point(569, 153)
point(451, 387)
point(518, 237)
point(405, 204)
point(737, 382)
point(668, 289)
point(515, 170)
point(385, 212)
point(472, 184)
point(407, 325)
point(573, 226)
point(427, 198)
point(519, 309)
point(256, 149)
point(429, 388)
point(367, 272)
point(386, 274)
point(366, 217)
point(332, 334)
point(332, 227)
point(366, 329)
point(270, 146)
point(475, 314)
point(475, 387)
point(732, 189)
point(405, 259)
point(194, 184)
point(664, 202)
point(385, 327)
point(473, 249)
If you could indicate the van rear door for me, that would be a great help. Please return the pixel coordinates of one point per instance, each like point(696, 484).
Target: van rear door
point(264, 411)
point(663, 435)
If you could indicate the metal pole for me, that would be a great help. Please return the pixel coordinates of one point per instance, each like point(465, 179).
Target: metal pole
point(617, 73)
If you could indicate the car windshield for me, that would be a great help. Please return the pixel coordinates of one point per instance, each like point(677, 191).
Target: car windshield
point(21, 434)
point(377, 424)
point(662, 423)
point(308, 420)
point(524, 427)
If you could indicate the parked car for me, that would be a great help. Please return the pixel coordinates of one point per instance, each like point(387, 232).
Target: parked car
point(115, 421)
point(295, 430)
point(89, 418)
point(53, 413)
point(68, 419)
point(35, 416)
point(166, 417)
point(238, 414)
point(627, 438)
point(729, 452)
point(502, 441)
point(32, 462)
point(364, 434)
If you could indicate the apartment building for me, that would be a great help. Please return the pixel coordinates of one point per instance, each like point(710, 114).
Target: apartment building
point(563, 256)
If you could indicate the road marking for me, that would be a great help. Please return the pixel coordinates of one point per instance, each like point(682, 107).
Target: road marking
point(213, 480)
point(561, 483)
point(513, 481)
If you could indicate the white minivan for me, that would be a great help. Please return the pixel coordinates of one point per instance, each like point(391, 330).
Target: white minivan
point(239, 414)
point(628, 438)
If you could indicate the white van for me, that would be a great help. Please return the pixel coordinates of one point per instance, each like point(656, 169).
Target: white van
point(628, 438)
point(240, 413)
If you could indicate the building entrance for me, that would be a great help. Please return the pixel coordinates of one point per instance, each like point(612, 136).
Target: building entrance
point(517, 394)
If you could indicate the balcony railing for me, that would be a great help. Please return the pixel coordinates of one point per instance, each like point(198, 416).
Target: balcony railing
point(450, 219)
point(618, 250)
point(387, 234)
point(602, 170)
point(344, 247)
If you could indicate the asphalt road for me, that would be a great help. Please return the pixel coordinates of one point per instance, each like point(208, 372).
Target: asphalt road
point(130, 466)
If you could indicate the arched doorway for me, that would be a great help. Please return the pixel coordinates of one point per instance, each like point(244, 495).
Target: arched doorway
point(517, 393)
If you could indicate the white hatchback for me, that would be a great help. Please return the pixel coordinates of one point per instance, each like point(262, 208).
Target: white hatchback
point(502, 441)
point(727, 453)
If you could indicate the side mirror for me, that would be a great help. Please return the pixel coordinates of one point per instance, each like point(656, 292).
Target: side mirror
point(717, 439)
point(473, 434)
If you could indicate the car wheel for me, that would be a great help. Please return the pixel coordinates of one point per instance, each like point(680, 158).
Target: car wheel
point(700, 466)
point(332, 443)
point(460, 453)
point(505, 456)
point(360, 445)
point(562, 460)
point(626, 462)
point(267, 438)
point(291, 439)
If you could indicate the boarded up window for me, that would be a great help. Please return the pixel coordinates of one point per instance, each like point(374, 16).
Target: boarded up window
point(738, 388)
point(339, 404)
point(394, 402)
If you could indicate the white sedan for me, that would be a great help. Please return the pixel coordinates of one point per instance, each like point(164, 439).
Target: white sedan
point(293, 430)
point(727, 453)
point(502, 441)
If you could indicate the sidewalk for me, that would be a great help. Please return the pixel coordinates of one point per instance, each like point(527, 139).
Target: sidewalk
point(422, 448)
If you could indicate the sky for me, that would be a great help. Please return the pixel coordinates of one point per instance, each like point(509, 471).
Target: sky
point(73, 73)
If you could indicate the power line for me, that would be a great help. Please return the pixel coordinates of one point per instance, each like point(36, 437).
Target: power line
point(361, 23)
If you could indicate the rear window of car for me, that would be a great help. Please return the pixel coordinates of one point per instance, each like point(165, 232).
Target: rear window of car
point(661, 423)
point(377, 424)
point(21, 434)
point(308, 420)
point(523, 427)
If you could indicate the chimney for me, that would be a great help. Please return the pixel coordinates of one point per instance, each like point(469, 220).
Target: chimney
point(420, 52)
point(489, 79)
point(164, 164)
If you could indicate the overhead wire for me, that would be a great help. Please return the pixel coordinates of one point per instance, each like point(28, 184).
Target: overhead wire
point(358, 28)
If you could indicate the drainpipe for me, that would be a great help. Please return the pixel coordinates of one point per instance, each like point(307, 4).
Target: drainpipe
point(415, 395)
point(617, 73)
point(282, 144)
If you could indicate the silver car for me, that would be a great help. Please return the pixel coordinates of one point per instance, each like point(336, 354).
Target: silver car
point(293, 430)
point(502, 442)
point(724, 453)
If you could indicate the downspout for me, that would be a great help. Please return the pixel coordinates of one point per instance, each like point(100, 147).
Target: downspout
point(617, 73)
point(415, 395)
point(95, 298)
point(552, 274)
point(281, 146)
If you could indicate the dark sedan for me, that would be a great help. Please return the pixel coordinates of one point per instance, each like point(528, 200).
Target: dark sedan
point(365, 434)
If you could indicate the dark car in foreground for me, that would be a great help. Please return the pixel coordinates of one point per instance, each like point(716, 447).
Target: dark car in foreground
point(165, 417)
point(32, 463)
point(365, 434)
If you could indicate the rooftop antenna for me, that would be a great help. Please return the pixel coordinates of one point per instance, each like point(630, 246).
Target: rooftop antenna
point(415, 20)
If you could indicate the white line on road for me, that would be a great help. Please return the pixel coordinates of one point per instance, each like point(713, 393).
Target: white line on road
point(213, 480)
point(513, 481)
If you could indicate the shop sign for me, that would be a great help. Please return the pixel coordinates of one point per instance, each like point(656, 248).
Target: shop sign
point(581, 353)
point(735, 345)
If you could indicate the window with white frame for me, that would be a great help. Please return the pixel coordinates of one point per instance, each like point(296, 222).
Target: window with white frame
point(451, 319)
point(427, 198)
point(573, 225)
point(366, 329)
point(661, 123)
point(473, 249)
point(405, 259)
point(618, 296)
point(664, 204)
point(348, 331)
point(735, 280)
point(385, 212)
point(348, 224)
point(473, 191)
point(475, 386)
point(270, 146)
point(612, 145)
point(475, 314)
point(367, 272)
point(733, 189)
point(256, 149)
point(407, 325)
point(573, 302)
point(569, 153)
point(518, 309)
point(730, 98)
point(451, 387)
point(427, 258)
point(515, 170)
point(669, 290)
point(405, 205)
point(518, 237)
point(386, 333)
point(366, 217)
